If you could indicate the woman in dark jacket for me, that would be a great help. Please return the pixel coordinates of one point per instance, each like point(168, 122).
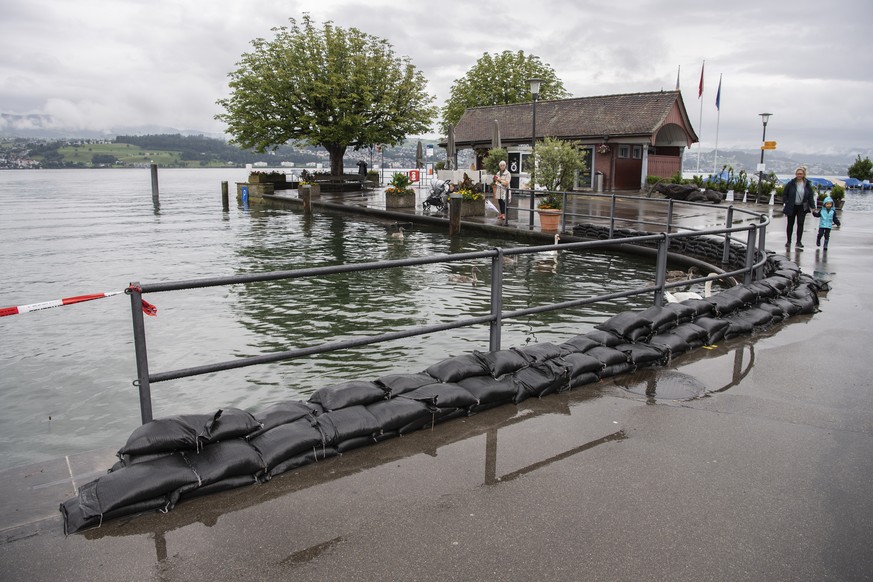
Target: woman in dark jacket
point(798, 200)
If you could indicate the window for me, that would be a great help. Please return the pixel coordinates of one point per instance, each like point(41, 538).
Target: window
point(638, 152)
point(624, 151)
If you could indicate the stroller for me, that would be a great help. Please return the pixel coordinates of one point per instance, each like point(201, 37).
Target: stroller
point(438, 197)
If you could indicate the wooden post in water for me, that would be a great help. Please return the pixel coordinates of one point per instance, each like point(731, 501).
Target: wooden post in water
point(455, 214)
point(154, 168)
point(225, 203)
point(306, 194)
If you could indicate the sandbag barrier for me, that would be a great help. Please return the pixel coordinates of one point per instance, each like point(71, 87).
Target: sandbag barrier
point(172, 459)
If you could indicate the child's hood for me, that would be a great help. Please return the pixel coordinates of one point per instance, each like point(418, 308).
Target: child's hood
point(827, 199)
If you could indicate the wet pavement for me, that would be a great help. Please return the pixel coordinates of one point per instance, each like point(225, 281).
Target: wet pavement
point(749, 461)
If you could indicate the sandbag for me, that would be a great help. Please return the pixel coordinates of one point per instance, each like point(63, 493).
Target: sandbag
point(502, 362)
point(228, 458)
point(458, 368)
point(608, 356)
point(537, 353)
point(671, 342)
point(536, 381)
point(228, 423)
point(285, 441)
point(443, 395)
point(605, 338)
point(641, 355)
point(625, 323)
point(393, 414)
point(140, 482)
point(301, 459)
point(583, 379)
point(616, 369)
point(165, 435)
point(777, 313)
point(354, 393)
point(283, 413)
point(396, 384)
point(724, 304)
point(346, 423)
point(715, 328)
point(488, 390)
point(787, 306)
point(661, 319)
point(684, 313)
point(582, 363)
point(694, 335)
point(701, 307)
point(579, 344)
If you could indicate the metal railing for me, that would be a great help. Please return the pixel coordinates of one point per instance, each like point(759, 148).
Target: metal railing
point(751, 268)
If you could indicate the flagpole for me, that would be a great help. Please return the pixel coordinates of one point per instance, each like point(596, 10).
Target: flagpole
point(700, 119)
point(717, 122)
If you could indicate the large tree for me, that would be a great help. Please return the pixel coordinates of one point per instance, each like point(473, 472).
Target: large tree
point(330, 87)
point(861, 169)
point(500, 79)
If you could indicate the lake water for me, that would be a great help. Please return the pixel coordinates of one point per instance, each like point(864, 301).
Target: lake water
point(66, 373)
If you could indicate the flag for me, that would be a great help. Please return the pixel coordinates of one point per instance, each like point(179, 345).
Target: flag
point(700, 90)
point(677, 76)
point(718, 95)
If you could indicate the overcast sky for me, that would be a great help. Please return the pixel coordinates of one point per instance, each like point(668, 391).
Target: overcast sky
point(99, 64)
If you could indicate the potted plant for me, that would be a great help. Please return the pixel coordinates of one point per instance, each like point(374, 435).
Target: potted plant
point(266, 177)
point(549, 209)
point(557, 165)
point(838, 193)
point(399, 194)
point(472, 198)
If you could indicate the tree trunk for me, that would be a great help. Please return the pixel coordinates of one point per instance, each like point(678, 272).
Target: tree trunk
point(337, 153)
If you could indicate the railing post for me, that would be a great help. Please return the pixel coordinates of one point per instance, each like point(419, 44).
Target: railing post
point(142, 360)
point(762, 238)
point(563, 223)
point(612, 217)
point(751, 253)
point(661, 270)
point(669, 215)
point(729, 221)
point(496, 301)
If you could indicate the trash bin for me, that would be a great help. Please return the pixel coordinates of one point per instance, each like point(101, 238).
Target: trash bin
point(598, 182)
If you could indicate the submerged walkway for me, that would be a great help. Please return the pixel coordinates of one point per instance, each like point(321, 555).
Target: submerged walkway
point(765, 478)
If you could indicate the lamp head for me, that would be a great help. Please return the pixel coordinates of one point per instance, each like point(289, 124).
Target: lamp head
point(765, 117)
point(535, 86)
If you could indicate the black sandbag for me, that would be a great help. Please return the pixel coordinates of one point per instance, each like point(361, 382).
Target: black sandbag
point(790, 308)
point(715, 328)
point(579, 344)
point(743, 292)
point(615, 370)
point(759, 317)
point(354, 421)
point(443, 395)
point(502, 362)
point(313, 455)
point(285, 441)
point(127, 460)
point(762, 290)
point(75, 520)
point(661, 319)
point(228, 423)
point(608, 356)
point(283, 413)
point(354, 443)
point(398, 412)
point(536, 381)
point(671, 342)
point(228, 458)
point(582, 363)
point(724, 304)
point(165, 435)
point(397, 384)
point(445, 414)
point(684, 313)
point(604, 338)
point(739, 324)
point(624, 323)
point(777, 313)
point(354, 393)
point(537, 353)
point(694, 335)
point(488, 390)
point(641, 355)
point(223, 485)
point(701, 307)
point(583, 379)
point(805, 304)
point(136, 483)
point(458, 368)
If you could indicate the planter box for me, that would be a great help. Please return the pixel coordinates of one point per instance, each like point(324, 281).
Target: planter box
point(313, 189)
point(550, 220)
point(473, 207)
point(400, 200)
point(266, 178)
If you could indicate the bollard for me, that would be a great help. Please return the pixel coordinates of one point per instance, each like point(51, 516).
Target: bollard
point(225, 203)
point(772, 197)
point(306, 194)
point(745, 196)
point(455, 214)
point(730, 196)
point(154, 168)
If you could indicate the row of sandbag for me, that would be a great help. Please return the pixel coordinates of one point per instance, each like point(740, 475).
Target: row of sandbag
point(183, 456)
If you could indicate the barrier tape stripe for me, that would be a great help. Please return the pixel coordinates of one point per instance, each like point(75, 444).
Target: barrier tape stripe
point(55, 303)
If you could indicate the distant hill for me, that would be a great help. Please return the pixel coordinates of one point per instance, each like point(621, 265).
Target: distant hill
point(775, 161)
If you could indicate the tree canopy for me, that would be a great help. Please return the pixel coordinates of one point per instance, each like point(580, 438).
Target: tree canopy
point(329, 87)
point(558, 162)
point(861, 169)
point(500, 79)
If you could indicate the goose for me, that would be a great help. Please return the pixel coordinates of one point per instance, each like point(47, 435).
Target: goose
point(396, 232)
point(471, 278)
point(676, 276)
point(683, 295)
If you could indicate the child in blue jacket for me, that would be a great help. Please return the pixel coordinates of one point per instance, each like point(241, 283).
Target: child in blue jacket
point(827, 219)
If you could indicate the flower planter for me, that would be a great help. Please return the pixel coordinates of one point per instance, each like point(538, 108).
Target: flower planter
point(473, 207)
point(313, 189)
point(276, 178)
point(550, 220)
point(400, 200)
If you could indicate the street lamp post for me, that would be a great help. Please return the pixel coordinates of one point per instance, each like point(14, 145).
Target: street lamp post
point(765, 117)
point(535, 92)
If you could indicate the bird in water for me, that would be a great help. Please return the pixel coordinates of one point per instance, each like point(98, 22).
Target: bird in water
point(471, 278)
point(683, 295)
point(395, 231)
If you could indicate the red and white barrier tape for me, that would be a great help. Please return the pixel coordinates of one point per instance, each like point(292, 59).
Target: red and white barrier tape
point(147, 308)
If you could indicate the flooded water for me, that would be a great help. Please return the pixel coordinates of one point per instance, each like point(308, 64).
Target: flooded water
point(66, 373)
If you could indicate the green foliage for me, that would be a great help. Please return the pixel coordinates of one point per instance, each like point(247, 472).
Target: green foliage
point(677, 178)
point(551, 201)
point(399, 185)
point(330, 87)
point(837, 193)
point(500, 79)
point(861, 169)
point(557, 164)
point(491, 162)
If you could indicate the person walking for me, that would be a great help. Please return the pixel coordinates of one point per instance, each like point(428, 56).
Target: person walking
point(798, 200)
point(501, 192)
point(827, 219)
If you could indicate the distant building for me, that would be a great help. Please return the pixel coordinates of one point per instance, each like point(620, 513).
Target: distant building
point(627, 137)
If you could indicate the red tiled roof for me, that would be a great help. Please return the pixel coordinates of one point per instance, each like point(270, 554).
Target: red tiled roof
point(633, 114)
